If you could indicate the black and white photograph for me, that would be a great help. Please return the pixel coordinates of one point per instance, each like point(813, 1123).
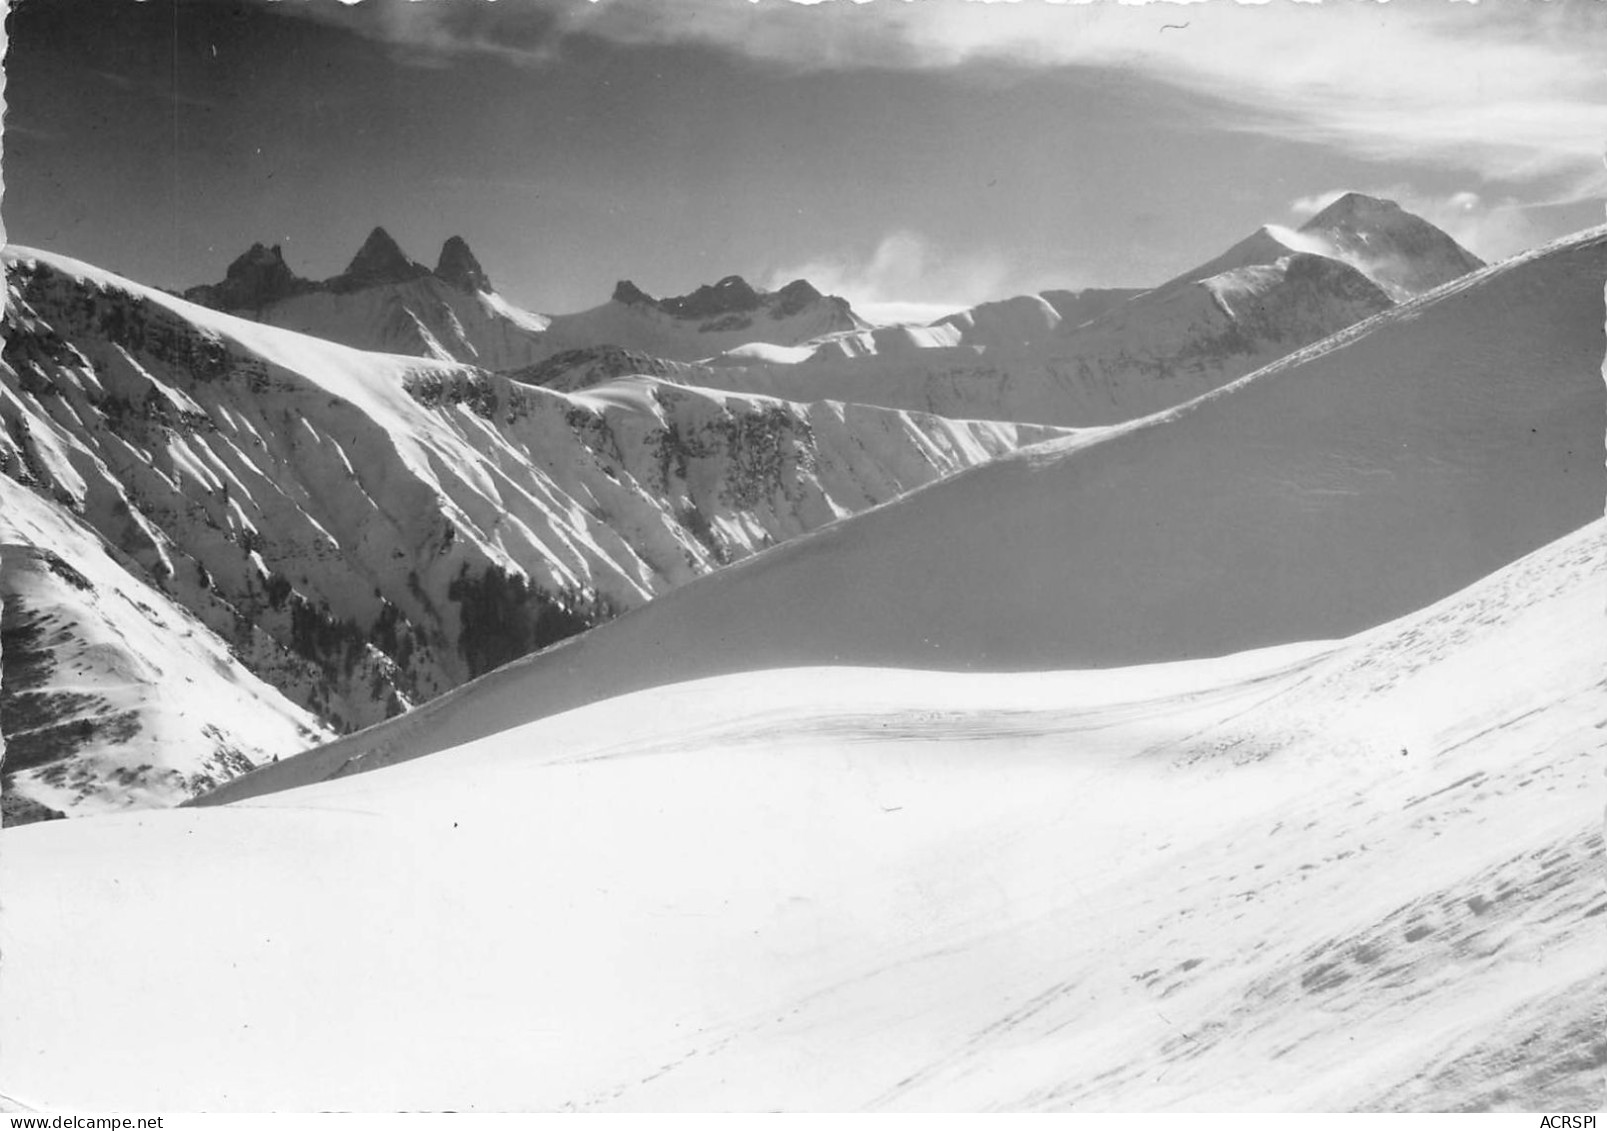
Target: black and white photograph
point(819, 556)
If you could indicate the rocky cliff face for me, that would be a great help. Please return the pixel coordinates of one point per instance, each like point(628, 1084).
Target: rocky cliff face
point(458, 266)
point(578, 369)
point(258, 278)
point(378, 262)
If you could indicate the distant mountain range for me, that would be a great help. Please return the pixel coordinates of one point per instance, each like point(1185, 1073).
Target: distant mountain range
point(356, 494)
point(1062, 357)
point(389, 303)
point(1101, 357)
point(1347, 484)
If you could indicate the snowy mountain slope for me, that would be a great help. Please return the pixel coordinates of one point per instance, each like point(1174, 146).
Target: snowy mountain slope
point(1402, 254)
point(1078, 307)
point(111, 694)
point(385, 302)
point(1023, 322)
point(425, 317)
point(368, 530)
point(1345, 485)
point(1173, 887)
point(1116, 355)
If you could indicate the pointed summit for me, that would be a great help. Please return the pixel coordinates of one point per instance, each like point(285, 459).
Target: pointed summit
point(378, 261)
point(458, 266)
point(796, 296)
point(257, 277)
point(1402, 252)
point(1355, 208)
point(378, 253)
point(630, 294)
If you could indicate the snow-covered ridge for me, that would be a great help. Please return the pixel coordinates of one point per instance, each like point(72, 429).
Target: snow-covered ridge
point(1400, 253)
point(725, 316)
point(1066, 358)
point(1352, 483)
point(368, 530)
point(1102, 357)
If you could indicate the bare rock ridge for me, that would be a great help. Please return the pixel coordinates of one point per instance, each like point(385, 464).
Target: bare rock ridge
point(734, 296)
point(582, 368)
point(260, 277)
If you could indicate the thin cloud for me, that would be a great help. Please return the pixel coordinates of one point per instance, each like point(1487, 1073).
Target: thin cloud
point(1514, 94)
point(1305, 207)
point(903, 268)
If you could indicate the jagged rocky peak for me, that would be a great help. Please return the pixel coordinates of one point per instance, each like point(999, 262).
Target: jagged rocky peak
point(259, 278)
point(630, 294)
point(378, 261)
point(458, 266)
point(256, 278)
point(731, 295)
point(796, 296)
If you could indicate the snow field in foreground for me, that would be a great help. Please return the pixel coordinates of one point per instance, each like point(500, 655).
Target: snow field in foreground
point(1214, 884)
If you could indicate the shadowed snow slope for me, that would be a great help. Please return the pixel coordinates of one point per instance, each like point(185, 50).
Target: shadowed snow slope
point(1353, 875)
point(425, 316)
point(1348, 484)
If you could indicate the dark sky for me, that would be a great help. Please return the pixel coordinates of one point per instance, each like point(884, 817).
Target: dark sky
point(930, 159)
